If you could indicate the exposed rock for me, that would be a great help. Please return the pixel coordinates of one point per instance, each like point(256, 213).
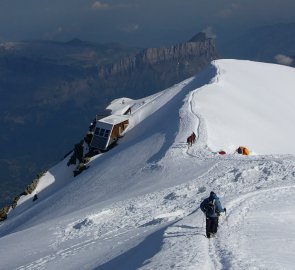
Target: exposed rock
point(198, 48)
point(81, 167)
point(39, 175)
point(77, 153)
point(15, 200)
point(88, 138)
point(92, 152)
point(86, 159)
point(3, 213)
point(30, 188)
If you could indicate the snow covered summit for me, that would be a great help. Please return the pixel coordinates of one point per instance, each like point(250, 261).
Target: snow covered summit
point(137, 206)
point(249, 104)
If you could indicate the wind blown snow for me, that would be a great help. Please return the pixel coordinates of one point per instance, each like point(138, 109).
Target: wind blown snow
point(137, 206)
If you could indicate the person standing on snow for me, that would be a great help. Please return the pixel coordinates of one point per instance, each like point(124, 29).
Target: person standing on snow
point(194, 137)
point(212, 208)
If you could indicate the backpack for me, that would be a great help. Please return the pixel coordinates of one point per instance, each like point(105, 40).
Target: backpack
point(210, 209)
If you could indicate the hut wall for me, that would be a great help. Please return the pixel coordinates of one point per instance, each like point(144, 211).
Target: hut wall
point(119, 128)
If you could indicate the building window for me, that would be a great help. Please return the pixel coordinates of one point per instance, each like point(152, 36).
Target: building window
point(101, 132)
point(106, 134)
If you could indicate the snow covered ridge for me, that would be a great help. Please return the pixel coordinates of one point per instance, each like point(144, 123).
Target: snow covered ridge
point(137, 206)
point(249, 104)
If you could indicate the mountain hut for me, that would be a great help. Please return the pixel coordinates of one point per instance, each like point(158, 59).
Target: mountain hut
point(108, 130)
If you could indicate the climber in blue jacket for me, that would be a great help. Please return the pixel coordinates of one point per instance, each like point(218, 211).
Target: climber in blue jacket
point(212, 208)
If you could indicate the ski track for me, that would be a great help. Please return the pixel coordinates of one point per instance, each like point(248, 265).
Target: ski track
point(222, 258)
point(223, 249)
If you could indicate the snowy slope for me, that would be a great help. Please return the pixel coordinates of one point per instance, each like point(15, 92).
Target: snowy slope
point(137, 206)
point(250, 104)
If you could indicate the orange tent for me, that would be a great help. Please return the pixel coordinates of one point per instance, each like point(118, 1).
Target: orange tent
point(243, 150)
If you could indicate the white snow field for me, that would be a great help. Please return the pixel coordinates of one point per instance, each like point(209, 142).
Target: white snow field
point(137, 206)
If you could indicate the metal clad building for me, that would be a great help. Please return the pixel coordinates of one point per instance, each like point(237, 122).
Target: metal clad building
point(108, 130)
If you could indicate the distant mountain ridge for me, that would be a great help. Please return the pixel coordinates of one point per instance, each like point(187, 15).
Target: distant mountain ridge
point(199, 47)
point(158, 68)
point(83, 54)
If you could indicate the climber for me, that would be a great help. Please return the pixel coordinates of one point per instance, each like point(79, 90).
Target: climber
point(212, 208)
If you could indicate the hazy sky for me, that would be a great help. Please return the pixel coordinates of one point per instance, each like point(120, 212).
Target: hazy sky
point(137, 22)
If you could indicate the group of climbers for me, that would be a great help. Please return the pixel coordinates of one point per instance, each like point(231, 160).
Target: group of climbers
point(240, 150)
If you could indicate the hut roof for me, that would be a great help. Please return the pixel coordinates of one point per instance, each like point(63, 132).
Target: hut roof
point(114, 119)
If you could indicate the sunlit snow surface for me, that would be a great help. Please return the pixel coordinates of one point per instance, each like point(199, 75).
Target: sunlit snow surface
point(137, 206)
point(250, 104)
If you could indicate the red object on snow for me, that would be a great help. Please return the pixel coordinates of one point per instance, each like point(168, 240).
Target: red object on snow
point(221, 153)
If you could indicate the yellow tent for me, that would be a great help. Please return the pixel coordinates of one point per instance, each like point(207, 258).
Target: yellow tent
point(243, 150)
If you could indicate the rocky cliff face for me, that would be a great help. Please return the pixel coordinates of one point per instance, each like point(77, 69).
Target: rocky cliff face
point(200, 50)
point(154, 69)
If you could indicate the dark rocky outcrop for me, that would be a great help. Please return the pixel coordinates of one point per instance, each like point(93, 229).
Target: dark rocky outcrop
point(77, 154)
point(80, 168)
point(4, 212)
point(155, 69)
point(78, 157)
point(28, 190)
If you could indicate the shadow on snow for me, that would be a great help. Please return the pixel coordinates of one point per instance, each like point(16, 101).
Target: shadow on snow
point(139, 255)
